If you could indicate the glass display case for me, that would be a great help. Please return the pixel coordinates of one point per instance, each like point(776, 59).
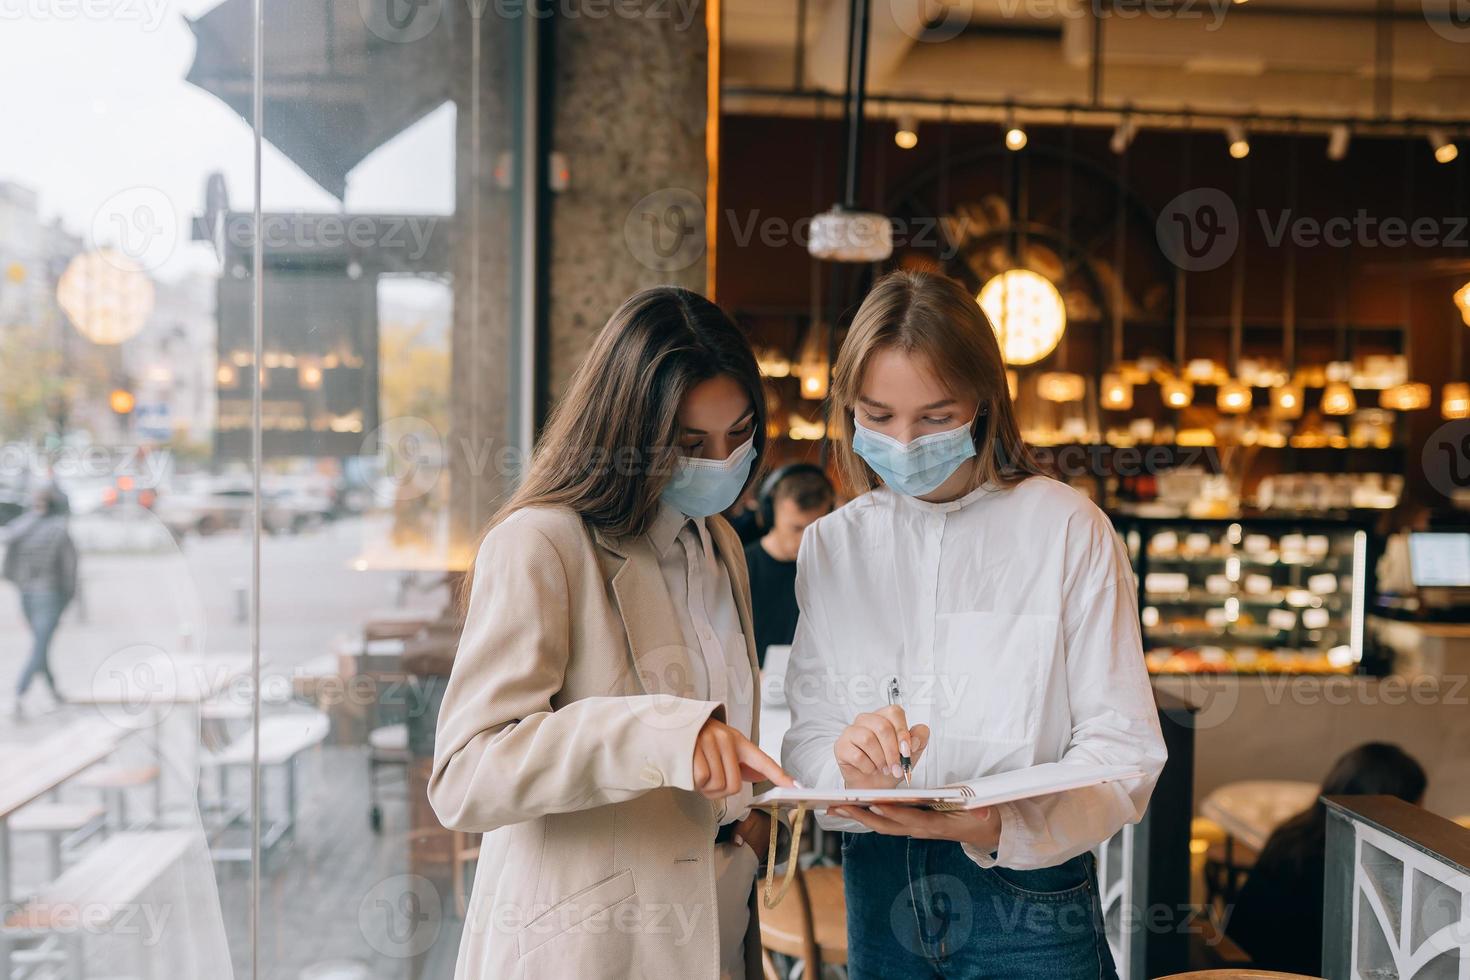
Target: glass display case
point(1252, 594)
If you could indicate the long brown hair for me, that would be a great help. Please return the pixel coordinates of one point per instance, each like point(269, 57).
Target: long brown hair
point(610, 443)
point(937, 317)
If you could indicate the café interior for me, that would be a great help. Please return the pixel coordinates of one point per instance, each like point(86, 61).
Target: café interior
point(1224, 250)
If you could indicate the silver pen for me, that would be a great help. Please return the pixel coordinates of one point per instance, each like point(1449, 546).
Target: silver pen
point(903, 759)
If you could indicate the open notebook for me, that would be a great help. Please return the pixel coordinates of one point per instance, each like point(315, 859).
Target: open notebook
point(1004, 787)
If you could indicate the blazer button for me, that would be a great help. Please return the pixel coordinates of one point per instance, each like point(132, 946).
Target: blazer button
point(652, 776)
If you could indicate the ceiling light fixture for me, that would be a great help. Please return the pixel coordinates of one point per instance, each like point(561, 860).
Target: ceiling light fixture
point(1015, 133)
point(907, 134)
point(1240, 147)
point(1123, 135)
point(1026, 312)
point(1445, 150)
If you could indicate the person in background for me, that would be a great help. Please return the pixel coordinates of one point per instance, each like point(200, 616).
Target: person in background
point(1278, 915)
point(790, 498)
point(41, 560)
point(745, 519)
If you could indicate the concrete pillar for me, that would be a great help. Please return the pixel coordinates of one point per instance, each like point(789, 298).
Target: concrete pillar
point(630, 111)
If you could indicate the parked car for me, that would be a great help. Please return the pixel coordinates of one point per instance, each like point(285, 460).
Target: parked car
point(208, 507)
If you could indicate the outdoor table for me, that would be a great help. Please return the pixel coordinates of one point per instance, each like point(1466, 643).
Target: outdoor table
point(29, 771)
point(147, 693)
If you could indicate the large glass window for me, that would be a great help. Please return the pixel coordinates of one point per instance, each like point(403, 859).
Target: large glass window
point(245, 445)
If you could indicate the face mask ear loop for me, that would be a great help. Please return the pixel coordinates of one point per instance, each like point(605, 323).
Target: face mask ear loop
point(770, 895)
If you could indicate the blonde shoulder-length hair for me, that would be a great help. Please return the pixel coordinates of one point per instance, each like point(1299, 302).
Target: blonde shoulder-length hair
point(917, 312)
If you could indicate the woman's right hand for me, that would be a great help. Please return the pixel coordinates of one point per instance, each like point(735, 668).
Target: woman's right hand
point(724, 759)
point(868, 750)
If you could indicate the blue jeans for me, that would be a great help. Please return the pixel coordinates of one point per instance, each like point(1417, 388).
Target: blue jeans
point(923, 909)
point(43, 613)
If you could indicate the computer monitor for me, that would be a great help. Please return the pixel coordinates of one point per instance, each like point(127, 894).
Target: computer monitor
point(1440, 559)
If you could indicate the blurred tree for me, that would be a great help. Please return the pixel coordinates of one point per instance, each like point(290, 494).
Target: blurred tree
point(414, 373)
point(43, 388)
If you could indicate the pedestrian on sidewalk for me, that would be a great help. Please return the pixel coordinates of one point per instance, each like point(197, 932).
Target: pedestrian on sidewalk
point(41, 560)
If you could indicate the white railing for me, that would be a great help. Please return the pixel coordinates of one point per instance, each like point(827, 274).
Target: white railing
point(1397, 893)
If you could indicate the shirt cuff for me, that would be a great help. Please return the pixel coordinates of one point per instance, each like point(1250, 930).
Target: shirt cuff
point(1012, 839)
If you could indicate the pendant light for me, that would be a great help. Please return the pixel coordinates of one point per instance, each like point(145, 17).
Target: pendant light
point(1410, 396)
point(1286, 397)
point(1176, 390)
point(845, 233)
point(1115, 393)
point(1233, 397)
point(1024, 307)
point(1455, 400)
point(1337, 394)
point(1062, 385)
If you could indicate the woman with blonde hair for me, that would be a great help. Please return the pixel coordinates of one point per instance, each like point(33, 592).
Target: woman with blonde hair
point(1001, 605)
point(599, 724)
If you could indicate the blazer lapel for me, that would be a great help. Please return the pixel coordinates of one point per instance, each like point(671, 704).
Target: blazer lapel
point(727, 547)
point(660, 661)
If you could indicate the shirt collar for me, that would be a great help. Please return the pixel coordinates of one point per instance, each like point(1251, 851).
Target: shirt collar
point(667, 524)
point(946, 506)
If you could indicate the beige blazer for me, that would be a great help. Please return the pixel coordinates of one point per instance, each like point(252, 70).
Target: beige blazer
point(567, 734)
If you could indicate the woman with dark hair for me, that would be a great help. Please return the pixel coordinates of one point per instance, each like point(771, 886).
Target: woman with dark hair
point(41, 560)
point(1277, 917)
point(599, 723)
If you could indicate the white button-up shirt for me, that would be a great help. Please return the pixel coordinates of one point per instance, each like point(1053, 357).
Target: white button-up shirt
point(719, 662)
point(1010, 619)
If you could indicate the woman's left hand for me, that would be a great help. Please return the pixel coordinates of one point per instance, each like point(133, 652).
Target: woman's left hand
point(980, 827)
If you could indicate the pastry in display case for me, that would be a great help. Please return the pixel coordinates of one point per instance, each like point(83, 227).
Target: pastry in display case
point(1264, 595)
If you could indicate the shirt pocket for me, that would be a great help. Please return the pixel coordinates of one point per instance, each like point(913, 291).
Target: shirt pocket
point(1004, 659)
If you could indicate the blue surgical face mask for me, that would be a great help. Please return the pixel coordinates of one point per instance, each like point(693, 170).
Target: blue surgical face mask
point(703, 487)
point(918, 467)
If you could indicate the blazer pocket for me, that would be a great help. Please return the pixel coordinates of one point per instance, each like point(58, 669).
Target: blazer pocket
point(576, 909)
